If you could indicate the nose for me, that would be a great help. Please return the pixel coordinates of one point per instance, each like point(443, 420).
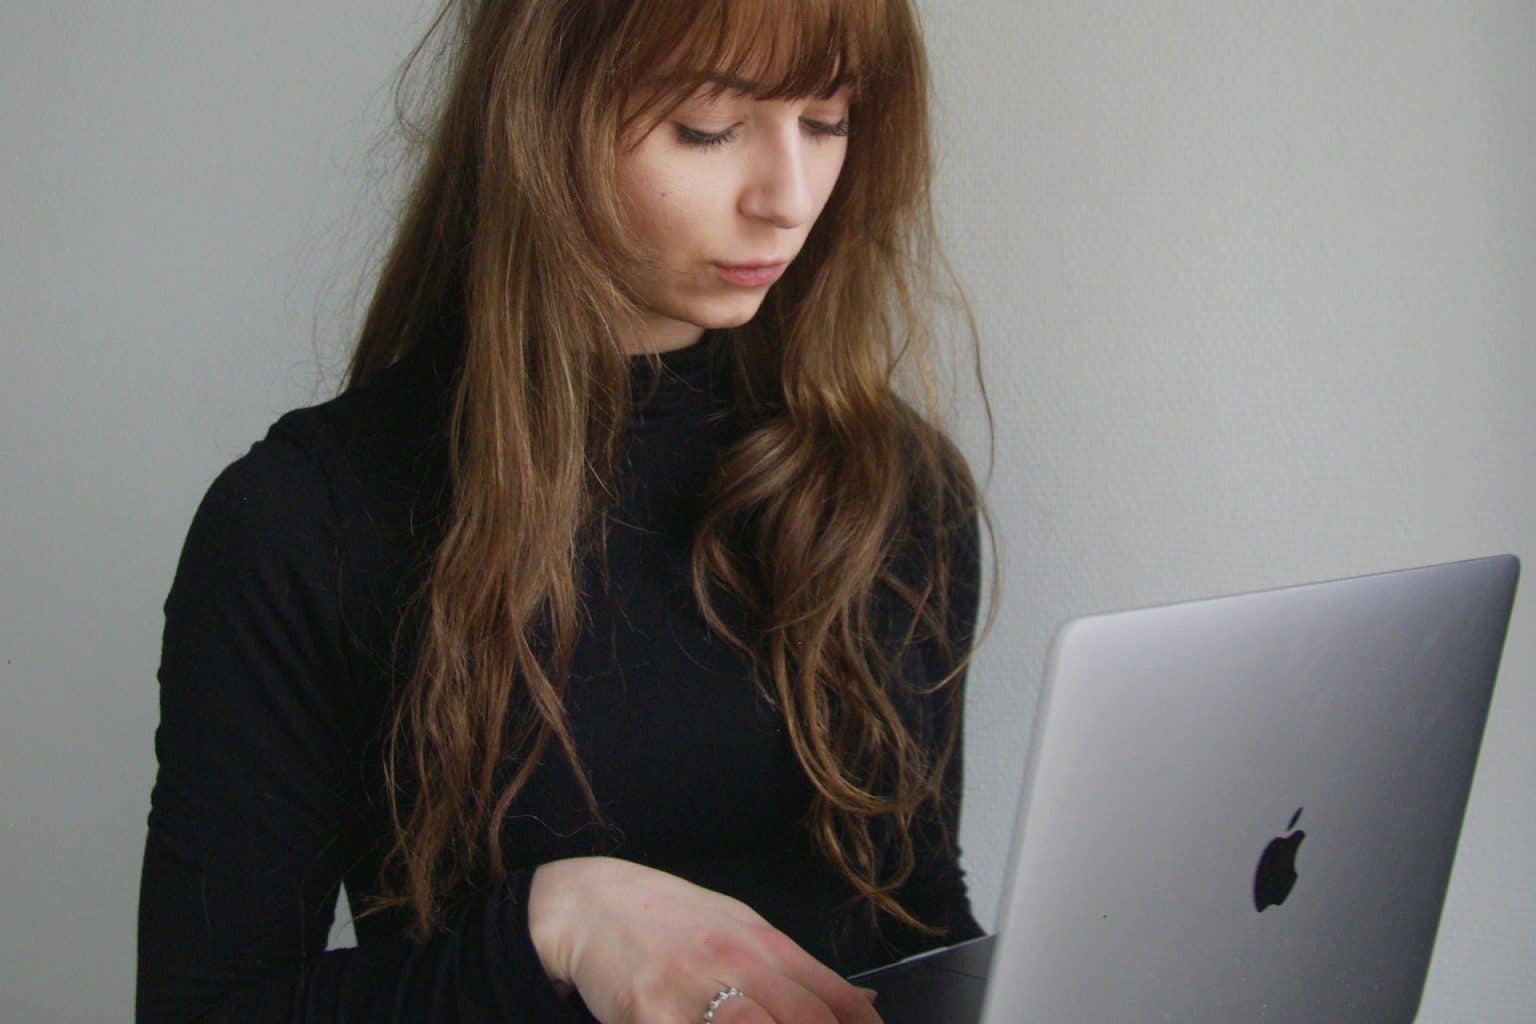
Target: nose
point(778, 187)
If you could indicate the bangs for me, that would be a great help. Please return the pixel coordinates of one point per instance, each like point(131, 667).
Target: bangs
point(767, 49)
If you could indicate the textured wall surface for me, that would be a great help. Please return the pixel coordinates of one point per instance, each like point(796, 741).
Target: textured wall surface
point(1254, 283)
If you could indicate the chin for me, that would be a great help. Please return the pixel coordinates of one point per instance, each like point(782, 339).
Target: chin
point(737, 321)
point(713, 310)
point(737, 312)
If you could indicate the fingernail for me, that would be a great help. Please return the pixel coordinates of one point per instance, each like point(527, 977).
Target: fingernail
point(869, 993)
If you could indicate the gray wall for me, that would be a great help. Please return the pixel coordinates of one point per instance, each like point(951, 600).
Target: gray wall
point(1259, 282)
point(1255, 282)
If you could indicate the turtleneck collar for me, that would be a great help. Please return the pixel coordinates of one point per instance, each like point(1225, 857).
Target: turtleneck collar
point(687, 380)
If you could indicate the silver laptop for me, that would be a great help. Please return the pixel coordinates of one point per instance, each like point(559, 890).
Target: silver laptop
point(1242, 808)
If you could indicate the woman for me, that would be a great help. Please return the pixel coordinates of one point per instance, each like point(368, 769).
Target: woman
point(606, 635)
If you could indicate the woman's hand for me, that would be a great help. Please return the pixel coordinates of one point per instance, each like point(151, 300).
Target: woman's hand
point(645, 947)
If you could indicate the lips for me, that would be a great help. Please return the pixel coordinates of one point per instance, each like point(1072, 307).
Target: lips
point(758, 265)
point(750, 276)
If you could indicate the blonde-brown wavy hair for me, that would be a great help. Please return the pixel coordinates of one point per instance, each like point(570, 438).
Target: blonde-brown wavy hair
point(513, 231)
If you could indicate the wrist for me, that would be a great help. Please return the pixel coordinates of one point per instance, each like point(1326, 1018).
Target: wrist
point(552, 895)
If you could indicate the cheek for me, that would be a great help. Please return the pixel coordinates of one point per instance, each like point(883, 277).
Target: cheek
point(673, 210)
point(655, 197)
point(834, 173)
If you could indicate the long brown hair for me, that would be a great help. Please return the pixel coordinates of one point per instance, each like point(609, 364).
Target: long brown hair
point(513, 231)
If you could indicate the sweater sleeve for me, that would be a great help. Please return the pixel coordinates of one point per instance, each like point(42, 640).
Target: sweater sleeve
point(255, 806)
point(936, 892)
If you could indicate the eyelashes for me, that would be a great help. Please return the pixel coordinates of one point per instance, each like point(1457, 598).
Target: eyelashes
point(704, 140)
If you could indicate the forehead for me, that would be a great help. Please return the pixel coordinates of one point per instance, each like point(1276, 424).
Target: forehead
point(768, 55)
point(765, 56)
point(662, 92)
point(797, 83)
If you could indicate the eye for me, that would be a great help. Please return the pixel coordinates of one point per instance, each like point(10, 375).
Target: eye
point(823, 131)
point(705, 140)
point(702, 140)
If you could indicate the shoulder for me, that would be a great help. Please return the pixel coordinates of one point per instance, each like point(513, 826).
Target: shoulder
point(263, 518)
point(942, 499)
point(400, 413)
point(310, 487)
point(371, 445)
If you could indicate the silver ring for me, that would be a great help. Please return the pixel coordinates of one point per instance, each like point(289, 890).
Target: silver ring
point(714, 1004)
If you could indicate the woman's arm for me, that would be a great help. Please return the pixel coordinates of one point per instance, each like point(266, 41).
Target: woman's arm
point(256, 805)
point(936, 892)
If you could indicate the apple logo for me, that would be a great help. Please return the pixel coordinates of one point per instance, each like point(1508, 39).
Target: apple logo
point(1277, 868)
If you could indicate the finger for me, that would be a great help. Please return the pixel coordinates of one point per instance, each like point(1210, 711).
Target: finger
point(739, 1009)
point(847, 1002)
point(786, 999)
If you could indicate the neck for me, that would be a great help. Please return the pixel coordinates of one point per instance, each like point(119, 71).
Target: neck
point(658, 334)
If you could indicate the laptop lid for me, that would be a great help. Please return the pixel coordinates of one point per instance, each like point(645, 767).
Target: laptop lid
point(1246, 808)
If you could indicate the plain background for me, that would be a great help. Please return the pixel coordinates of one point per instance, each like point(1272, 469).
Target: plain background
point(1256, 284)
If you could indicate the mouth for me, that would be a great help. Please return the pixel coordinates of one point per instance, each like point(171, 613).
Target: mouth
point(750, 275)
point(758, 265)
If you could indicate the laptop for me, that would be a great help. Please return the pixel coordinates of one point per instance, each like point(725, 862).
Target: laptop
point(1240, 808)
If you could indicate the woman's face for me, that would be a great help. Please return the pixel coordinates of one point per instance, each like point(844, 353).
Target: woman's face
point(729, 180)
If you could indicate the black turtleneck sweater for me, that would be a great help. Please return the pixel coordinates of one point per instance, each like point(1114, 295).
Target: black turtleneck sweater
point(274, 678)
